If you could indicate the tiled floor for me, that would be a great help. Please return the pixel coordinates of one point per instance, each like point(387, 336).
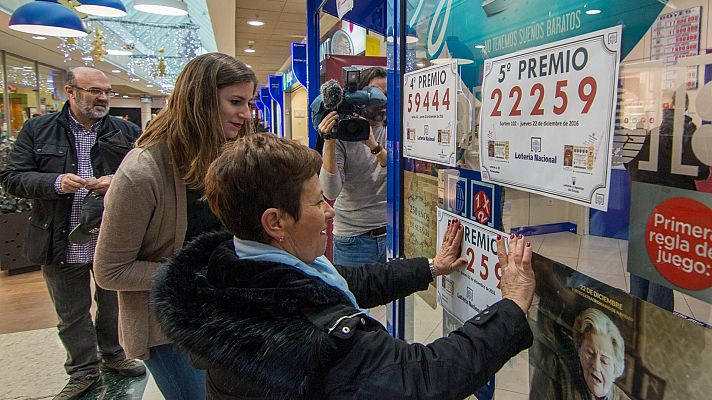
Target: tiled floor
point(38, 353)
point(32, 369)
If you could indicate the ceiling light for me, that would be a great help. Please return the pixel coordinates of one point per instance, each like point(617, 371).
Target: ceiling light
point(447, 60)
point(116, 71)
point(593, 11)
point(119, 52)
point(126, 97)
point(47, 18)
point(39, 37)
point(135, 79)
point(102, 8)
point(410, 39)
point(256, 21)
point(87, 58)
point(162, 7)
point(249, 48)
point(149, 85)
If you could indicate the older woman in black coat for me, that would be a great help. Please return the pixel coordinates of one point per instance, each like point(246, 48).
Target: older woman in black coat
point(269, 317)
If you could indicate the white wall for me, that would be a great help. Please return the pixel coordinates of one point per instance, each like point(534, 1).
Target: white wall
point(299, 117)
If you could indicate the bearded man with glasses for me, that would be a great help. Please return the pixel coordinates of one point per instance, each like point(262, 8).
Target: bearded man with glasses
point(56, 161)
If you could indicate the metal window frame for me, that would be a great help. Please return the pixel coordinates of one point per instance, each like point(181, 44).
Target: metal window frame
point(395, 19)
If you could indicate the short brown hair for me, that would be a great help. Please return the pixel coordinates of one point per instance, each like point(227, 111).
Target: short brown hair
point(190, 123)
point(369, 74)
point(255, 173)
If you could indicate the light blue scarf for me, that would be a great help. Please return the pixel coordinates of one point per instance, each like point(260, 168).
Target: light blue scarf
point(320, 268)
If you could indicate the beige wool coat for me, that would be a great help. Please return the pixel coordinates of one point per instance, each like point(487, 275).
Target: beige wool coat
point(144, 222)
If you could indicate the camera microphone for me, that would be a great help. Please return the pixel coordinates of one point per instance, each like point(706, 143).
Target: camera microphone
point(349, 127)
point(332, 93)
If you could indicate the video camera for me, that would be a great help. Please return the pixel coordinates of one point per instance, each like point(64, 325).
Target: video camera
point(348, 102)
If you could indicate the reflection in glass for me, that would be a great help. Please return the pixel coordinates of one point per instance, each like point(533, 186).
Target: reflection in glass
point(22, 89)
point(52, 95)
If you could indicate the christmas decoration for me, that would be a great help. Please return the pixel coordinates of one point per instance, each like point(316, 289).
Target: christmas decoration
point(149, 51)
point(98, 51)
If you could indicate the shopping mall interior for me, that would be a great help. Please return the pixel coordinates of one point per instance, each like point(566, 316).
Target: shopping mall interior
point(590, 154)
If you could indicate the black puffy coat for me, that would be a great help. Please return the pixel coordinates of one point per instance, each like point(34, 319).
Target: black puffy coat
point(267, 331)
point(45, 149)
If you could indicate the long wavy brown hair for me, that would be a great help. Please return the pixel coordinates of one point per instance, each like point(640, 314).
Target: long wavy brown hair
point(190, 123)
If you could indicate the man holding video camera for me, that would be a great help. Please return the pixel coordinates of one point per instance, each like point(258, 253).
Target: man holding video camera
point(354, 174)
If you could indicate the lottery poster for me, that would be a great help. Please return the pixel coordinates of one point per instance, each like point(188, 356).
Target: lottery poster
point(466, 292)
point(430, 114)
point(593, 341)
point(547, 118)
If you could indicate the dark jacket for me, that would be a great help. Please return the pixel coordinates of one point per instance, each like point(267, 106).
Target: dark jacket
point(664, 175)
point(267, 331)
point(45, 149)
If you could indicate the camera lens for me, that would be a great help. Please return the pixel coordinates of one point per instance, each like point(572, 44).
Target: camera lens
point(351, 127)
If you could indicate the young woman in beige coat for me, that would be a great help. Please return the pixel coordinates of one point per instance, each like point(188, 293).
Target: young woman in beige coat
point(154, 206)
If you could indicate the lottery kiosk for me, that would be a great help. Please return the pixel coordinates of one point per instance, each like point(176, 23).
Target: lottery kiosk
point(584, 125)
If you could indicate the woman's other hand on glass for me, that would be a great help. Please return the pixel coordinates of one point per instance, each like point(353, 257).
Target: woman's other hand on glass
point(518, 281)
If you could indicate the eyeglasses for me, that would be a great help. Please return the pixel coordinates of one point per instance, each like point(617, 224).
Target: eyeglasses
point(97, 92)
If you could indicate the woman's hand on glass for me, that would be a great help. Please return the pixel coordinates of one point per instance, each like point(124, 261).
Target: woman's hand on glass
point(518, 281)
point(448, 258)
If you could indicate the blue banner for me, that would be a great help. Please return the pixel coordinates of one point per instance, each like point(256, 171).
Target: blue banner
point(260, 108)
point(275, 89)
point(267, 103)
point(277, 94)
point(299, 63)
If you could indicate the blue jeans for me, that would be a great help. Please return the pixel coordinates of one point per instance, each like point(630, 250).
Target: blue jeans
point(174, 375)
point(355, 251)
point(653, 293)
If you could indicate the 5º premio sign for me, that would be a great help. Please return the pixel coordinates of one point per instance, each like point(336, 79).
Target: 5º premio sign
point(430, 114)
point(546, 124)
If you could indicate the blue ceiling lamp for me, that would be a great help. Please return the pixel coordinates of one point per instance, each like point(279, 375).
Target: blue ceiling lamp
point(102, 8)
point(411, 36)
point(47, 18)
